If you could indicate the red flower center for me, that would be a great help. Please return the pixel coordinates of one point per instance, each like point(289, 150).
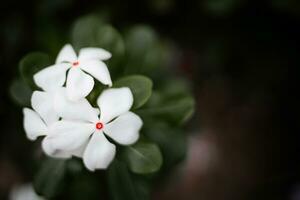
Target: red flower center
point(75, 64)
point(99, 126)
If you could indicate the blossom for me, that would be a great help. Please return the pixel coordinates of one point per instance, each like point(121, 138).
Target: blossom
point(79, 79)
point(83, 128)
point(24, 192)
point(38, 120)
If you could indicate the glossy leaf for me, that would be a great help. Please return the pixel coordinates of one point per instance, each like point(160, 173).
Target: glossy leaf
point(141, 87)
point(144, 52)
point(20, 92)
point(31, 64)
point(143, 158)
point(123, 185)
point(50, 177)
point(84, 32)
point(172, 141)
point(177, 110)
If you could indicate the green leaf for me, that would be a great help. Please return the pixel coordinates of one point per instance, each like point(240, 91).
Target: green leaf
point(172, 141)
point(31, 64)
point(120, 182)
point(94, 94)
point(20, 92)
point(49, 179)
point(144, 52)
point(84, 32)
point(141, 88)
point(109, 38)
point(143, 157)
point(177, 110)
point(221, 7)
point(86, 186)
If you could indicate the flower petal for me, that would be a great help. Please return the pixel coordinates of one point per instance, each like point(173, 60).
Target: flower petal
point(71, 110)
point(66, 54)
point(98, 70)
point(114, 102)
point(33, 124)
point(52, 77)
point(99, 152)
point(79, 84)
point(93, 53)
point(79, 151)
point(24, 192)
point(125, 128)
point(69, 135)
point(42, 103)
point(50, 151)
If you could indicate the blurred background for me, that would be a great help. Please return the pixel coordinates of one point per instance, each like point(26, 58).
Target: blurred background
point(241, 59)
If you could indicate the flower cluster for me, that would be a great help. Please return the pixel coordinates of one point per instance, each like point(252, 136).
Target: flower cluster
point(71, 126)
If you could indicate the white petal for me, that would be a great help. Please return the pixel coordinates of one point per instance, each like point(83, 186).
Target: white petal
point(93, 53)
point(42, 103)
point(79, 151)
point(125, 128)
point(114, 102)
point(24, 192)
point(66, 54)
point(99, 152)
point(69, 135)
point(79, 84)
point(52, 77)
point(33, 124)
point(98, 70)
point(50, 151)
point(71, 110)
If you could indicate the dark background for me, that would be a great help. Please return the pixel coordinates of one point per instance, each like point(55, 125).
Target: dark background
point(242, 58)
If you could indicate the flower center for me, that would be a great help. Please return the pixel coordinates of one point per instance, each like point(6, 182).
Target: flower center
point(99, 126)
point(75, 64)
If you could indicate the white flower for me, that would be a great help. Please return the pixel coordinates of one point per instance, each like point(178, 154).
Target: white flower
point(79, 84)
point(24, 192)
point(82, 128)
point(37, 121)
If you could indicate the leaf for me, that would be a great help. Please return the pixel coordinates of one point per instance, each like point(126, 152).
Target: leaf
point(143, 157)
point(49, 179)
point(84, 31)
point(20, 92)
point(123, 185)
point(31, 64)
point(172, 141)
point(221, 7)
point(144, 52)
point(110, 39)
point(141, 87)
point(120, 183)
point(86, 186)
point(177, 110)
point(94, 94)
